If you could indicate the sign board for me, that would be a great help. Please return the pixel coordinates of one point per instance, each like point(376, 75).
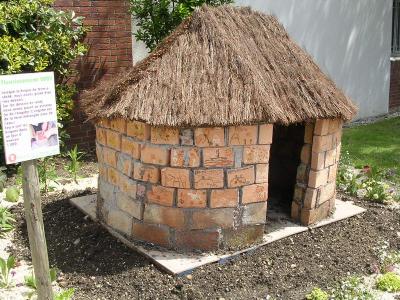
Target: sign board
point(29, 116)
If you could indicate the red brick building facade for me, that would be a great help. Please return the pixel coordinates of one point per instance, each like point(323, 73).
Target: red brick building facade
point(110, 50)
point(394, 93)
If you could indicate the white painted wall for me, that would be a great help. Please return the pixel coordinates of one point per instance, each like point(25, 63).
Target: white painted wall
point(349, 39)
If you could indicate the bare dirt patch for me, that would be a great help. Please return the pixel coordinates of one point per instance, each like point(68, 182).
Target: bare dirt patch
point(100, 267)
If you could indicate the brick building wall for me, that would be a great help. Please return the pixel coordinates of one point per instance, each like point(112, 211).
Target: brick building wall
point(394, 94)
point(110, 51)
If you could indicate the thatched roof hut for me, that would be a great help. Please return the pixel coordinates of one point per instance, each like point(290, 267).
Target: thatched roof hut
point(222, 66)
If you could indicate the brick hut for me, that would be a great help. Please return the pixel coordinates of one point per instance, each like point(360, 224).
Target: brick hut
point(225, 118)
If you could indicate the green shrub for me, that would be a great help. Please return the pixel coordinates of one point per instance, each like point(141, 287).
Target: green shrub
point(6, 220)
point(317, 294)
point(157, 19)
point(12, 194)
point(351, 289)
point(389, 282)
point(34, 37)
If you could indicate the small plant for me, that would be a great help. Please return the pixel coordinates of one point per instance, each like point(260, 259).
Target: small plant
point(12, 194)
point(65, 294)
point(317, 294)
point(351, 289)
point(3, 178)
point(47, 172)
point(387, 259)
point(6, 220)
point(389, 282)
point(6, 265)
point(74, 165)
point(30, 280)
point(376, 191)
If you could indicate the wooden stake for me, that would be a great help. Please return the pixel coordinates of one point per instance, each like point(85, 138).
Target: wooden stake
point(34, 221)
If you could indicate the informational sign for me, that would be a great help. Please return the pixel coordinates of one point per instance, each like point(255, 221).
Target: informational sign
point(29, 116)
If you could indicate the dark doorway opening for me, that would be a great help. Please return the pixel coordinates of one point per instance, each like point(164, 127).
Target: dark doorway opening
point(284, 160)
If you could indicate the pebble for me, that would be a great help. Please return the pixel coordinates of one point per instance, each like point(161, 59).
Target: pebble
point(190, 277)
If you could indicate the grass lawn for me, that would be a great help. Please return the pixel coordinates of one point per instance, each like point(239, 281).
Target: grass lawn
point(376, 145)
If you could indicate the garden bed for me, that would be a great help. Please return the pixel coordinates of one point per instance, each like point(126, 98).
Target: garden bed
point(100, 267)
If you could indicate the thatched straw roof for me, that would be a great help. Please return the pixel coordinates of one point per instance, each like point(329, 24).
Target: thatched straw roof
point(222, 66)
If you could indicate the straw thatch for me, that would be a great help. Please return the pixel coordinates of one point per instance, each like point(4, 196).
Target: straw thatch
point(222, 66)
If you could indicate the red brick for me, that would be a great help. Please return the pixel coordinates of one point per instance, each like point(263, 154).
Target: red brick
point(255, 193)
point(130, 147)
point(155, 155)
point(101, 135)
point(241, 176)
point(256, 154)
point(265, 134)
point(170, 216)
point(218, 157)
point(262, 173)
point(211, 178)
point(310, 198)
point(224, 198)
point(192, 198)
point(127, 185)
point(326, 192)
point(243, 135)
point(110, 157)
point(318, 178)
point(114, 139)
point(165, 135)
point(161, 195)
point(138, 130)
point(312, 216)
point(197, 240)
point(145, 172)
point(113, 176)
point(175, 177)
point(185, 157)
point(151, 233)
point(118, 125)
point(209, 137)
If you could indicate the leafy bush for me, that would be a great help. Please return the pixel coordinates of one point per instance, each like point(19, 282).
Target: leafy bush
point(6, 220)
point(65, 294)
point(376, 191)
point(34, 37)
point(317, 294)
point(389, 282)
point(157, 19)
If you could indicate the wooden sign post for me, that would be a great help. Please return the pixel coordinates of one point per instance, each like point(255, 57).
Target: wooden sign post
point(29, 123)
point(34, 222)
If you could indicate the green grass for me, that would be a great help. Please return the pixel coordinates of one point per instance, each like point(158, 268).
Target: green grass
point(376, 145)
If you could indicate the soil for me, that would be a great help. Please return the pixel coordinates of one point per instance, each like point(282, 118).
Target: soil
point(100, 267)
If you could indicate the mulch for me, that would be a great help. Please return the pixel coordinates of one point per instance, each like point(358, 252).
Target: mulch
point(100, 267)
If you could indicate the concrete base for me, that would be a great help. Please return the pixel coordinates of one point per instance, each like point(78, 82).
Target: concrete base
point(278, 226)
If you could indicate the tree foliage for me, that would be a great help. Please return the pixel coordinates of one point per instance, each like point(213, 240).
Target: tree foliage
point(34, 37)
point(157, 18)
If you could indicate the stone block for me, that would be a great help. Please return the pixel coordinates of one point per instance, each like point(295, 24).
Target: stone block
point(107, 191)
point(224, 198)
point(124, 164)
point(332, 173)
point(127, 185)
point(161, 195)
point(322, 127)
point(255, 193)
point(101, 136)
point(311, 216)
point(185, 157)
point(305, 155)
point(212, 178)
point(155, 155)
point(156, 234)
point(138, 130)
point(99, 152)
point(241, 176)
point(130, 147)
point(308, 133)
point(243, 135)
point(209, 137)
point(255, 213)
point(170, 216)
point(213, 218)
point(322, 143)
point(186, 137)
point(118, 125)
point(113, 176)
point(265, 134)
point(218, 157)
point(318, 178)
point(310, 198)
point(145, 172)
point(295, 211)
point(120, 221)
point(175, 177)
point(165, 135)
point(110, 157)
point(318, 160)
point(330, 158)
point(192, 198)
point(262, 173)
point(197, 240)
point(102, 171)
point(326, 192)
point(103, 122)
point(113, 139)
point(129, 205)
point(256, 154)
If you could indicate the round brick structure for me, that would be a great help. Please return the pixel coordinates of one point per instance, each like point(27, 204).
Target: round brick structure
point(205, 188)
